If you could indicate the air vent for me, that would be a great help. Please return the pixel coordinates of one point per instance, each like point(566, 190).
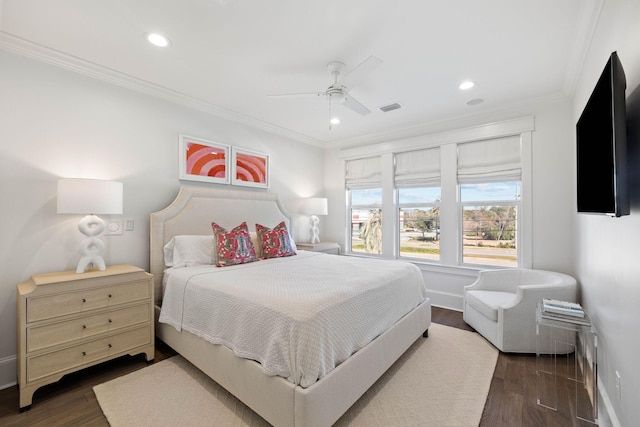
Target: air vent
point(475, 101)
point(390, 107)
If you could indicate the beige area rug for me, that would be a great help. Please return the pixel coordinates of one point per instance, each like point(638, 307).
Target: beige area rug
point(440, 381)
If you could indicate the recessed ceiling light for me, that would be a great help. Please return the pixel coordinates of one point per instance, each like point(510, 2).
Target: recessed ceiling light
point(466, 85)
point(335, 121)
point(157, 39)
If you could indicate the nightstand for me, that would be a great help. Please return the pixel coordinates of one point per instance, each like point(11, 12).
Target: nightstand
point(326, 247)
point(69, 321)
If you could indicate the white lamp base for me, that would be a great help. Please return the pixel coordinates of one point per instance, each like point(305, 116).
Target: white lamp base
point(91, 248)
point(315, 231)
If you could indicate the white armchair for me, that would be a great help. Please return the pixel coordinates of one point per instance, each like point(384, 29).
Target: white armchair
point(501, 304)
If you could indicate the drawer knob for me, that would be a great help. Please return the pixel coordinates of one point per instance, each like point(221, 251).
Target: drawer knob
point(84, 326)
point(84, 300)
point(110, 320)
point(109, 295)
point(84, 353)
point(109, 345)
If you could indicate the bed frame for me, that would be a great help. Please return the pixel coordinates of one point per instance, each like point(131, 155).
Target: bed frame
point(277, 400)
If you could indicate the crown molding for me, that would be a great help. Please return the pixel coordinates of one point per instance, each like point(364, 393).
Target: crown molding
point(59, 59)
point(484, 131)
point(588, 18)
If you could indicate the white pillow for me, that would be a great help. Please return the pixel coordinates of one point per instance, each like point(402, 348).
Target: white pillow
point(257, 245)
point(186, 250)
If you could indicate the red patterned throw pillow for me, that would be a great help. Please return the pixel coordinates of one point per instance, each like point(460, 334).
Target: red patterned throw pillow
point(233, 247)
point(275, 242)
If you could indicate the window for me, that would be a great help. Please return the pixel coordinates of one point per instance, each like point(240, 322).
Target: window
point(417, 179)
point(366, 221)
point(459, 198)
point(489, 177)
point(419, 223)
point(490, 223)
point(364, 195)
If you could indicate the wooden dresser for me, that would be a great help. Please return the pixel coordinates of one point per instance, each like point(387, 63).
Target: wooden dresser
point(69, 321)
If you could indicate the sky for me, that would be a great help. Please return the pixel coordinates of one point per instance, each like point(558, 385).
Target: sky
point(493, 192)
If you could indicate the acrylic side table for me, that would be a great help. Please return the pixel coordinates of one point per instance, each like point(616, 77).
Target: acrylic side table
point(566, 365)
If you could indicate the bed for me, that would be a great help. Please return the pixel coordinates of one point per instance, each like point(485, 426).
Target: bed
point(287, 398)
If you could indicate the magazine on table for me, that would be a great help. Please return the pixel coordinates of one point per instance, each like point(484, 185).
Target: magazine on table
point(568, 319)
point(562, 307)
point(564, 311)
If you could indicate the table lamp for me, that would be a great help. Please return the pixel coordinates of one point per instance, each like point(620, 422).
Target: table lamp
point(90, 197)
point(315, 206)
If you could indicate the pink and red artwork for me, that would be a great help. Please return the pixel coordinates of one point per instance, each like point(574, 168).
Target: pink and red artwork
point(250, 168)
point(202, 160)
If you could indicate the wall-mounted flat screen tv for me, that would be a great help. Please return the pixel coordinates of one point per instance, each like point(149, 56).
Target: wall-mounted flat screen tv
point(602, 146)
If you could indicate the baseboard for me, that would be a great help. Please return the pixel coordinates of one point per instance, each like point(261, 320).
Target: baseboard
point(8, 369)
point(447, 300)
point(609, 417)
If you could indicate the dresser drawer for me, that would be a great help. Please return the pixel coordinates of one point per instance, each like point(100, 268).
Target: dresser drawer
point(62, 332)
point(47, 307)
point(76, 356)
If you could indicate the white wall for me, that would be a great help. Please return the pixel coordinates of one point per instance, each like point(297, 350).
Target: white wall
point(606, 249)
point(55, 123)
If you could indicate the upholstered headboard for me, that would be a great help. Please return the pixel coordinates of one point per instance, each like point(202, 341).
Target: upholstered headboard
point(193, 210)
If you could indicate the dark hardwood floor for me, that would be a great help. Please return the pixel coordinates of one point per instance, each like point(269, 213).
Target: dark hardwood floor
point(512, 396)
point(71, 401)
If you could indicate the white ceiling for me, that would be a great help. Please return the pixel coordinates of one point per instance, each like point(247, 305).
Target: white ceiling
point(226, 56)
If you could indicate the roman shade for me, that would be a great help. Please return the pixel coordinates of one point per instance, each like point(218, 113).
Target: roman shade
point(490, 160)
point(417, 168)
point(363, 173)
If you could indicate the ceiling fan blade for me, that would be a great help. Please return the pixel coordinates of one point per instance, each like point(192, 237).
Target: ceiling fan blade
point(296, 94)
point(358, 74)
point(351, 103)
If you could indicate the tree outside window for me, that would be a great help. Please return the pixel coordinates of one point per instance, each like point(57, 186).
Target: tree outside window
point(366, 221)
point(489, 228)
point(419, 223)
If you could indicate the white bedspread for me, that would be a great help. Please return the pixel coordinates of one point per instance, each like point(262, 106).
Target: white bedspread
point(299, 316)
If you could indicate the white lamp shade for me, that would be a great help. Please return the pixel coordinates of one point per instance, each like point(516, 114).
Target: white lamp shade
point(89, 196)
point(315, 206)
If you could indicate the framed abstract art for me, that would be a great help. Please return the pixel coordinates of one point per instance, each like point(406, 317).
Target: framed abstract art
point(249, 168)
point(204, 161)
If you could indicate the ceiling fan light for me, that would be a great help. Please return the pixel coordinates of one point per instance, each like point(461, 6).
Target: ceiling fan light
point(336, 96)
point(335, 121)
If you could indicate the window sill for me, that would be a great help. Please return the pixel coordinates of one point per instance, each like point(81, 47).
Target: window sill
point(432, 267)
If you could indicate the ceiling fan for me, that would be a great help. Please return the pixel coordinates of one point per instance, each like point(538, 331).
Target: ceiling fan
point(339, 91)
